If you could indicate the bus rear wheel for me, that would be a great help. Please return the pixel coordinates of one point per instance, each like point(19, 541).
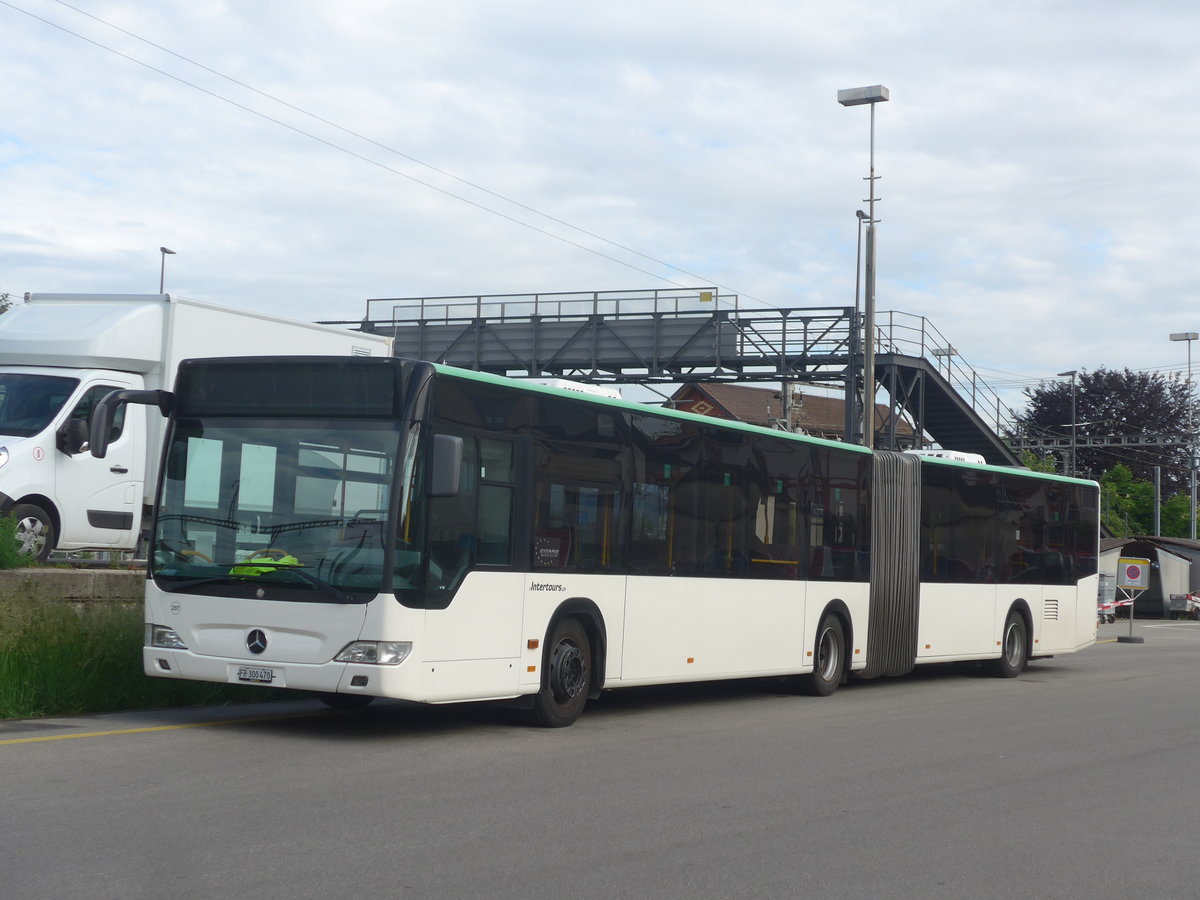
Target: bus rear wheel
point(1014, 649)
point(829, 660)
point(566, 676)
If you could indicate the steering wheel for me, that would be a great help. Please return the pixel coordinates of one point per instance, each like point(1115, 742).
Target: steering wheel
point(195, 553)
point(278, 553)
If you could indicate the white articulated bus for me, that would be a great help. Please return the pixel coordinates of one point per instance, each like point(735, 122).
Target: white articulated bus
point(391, 528)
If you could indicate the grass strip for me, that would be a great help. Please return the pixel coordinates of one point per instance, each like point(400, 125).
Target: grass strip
point(64, 659)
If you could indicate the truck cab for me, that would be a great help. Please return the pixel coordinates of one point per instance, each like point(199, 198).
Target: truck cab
point(59, 494)
point(60, 353)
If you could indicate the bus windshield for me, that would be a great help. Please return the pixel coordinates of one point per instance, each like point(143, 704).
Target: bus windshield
point(29, 402)
point(297, 507)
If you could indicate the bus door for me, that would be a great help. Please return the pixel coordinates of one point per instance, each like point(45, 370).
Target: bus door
point(476, 636)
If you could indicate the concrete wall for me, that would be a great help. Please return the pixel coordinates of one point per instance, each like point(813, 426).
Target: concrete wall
point(72, 585)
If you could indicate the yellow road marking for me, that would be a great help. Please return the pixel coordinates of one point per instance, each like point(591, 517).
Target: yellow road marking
point(149, 728)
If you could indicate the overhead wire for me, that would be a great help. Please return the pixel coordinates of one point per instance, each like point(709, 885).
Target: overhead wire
point(378, 144)
point(1016, 381)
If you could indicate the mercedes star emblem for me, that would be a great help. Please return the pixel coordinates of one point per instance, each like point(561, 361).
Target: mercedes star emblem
point(256, 641)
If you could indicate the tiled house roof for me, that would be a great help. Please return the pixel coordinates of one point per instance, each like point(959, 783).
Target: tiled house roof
point(813, 414)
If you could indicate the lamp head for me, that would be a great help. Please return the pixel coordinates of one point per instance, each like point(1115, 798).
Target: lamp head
point(876, 93)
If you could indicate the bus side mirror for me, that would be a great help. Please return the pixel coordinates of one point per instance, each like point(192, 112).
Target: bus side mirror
point(105, 413)
point(445, 464)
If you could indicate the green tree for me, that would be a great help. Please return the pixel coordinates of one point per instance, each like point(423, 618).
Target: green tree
point(1174, 515)
point(6, 301)
point(1108, 402)
point(1035, 463)
point(1126, 504)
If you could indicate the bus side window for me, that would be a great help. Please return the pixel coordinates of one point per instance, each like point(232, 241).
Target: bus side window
point(579, 470)
point(452, 521)
point(495, 502)
point(474, 526)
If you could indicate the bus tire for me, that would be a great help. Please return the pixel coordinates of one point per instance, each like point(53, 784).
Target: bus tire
point(345, 701)
point(566, 676)
point(1014, 649)
point(35, 531)
point(829, 659)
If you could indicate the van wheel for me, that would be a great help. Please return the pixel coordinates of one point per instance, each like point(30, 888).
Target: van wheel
point(566, 677)
point(35, 531)
point(1014, 649)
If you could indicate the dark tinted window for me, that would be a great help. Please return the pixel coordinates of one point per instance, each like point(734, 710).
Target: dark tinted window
point(474, 527)
point(989, 527)
point(613, 490)
point(781, 536)
point(734, 503)
point(580, 464)
point(839, 520)
point(959, 533)
point(667, 497)
point(479, 405)
point(315, 387)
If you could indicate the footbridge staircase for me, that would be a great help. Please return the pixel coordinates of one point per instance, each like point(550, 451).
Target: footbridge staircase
point(673, 336)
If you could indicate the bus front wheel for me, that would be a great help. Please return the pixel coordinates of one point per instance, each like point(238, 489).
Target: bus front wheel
point(1014, 649)
point(566, 676)
point(829, 660)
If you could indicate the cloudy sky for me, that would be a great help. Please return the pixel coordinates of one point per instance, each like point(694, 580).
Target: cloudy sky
point(1038, 161)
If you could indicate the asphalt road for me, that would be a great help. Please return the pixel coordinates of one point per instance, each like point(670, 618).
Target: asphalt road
point(1081, 779)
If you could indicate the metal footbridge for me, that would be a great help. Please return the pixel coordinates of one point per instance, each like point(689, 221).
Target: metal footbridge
point(679, 335)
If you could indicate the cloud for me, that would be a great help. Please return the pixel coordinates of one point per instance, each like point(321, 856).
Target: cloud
point(1038, 189)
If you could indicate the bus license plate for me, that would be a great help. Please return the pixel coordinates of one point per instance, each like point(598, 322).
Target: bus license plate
point(255, 674)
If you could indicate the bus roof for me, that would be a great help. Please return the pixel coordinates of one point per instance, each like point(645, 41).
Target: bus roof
point(538, 388)
point(1008, 470)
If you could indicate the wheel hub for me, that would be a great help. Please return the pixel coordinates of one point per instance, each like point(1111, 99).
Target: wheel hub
point(31, 536)
point(827, 654)
point(568, 671)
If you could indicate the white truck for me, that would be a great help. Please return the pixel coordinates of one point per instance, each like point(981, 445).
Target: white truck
point(60, 353)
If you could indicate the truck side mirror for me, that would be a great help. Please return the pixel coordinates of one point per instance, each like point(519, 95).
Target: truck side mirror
point(445, 464)
point(72, 436)
point(105, 413)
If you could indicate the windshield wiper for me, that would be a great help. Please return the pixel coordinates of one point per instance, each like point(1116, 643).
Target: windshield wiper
point(200, 582)
point(319, 583)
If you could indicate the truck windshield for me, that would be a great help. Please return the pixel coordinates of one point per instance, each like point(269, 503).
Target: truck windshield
point(29, 402)
point(299, 507)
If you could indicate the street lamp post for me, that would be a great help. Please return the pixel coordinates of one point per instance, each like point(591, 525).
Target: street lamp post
point(162, 270)
point(871, 95)
point(1072, 373)
point(854, 405)
point(861, 217)
point(1190, 336)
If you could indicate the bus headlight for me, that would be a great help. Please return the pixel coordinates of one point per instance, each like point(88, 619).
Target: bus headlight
point(378, 653)
point(161, 636)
